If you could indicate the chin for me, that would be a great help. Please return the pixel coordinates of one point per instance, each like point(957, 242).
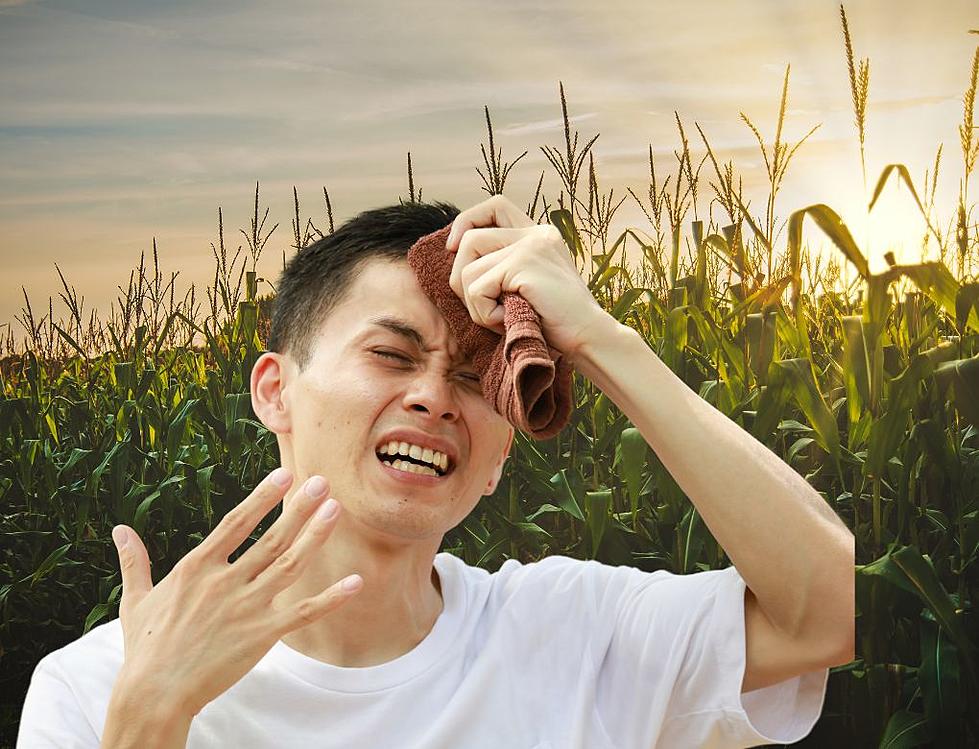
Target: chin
point(401, 528)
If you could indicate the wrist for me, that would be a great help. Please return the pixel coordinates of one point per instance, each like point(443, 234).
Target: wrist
point(605, 359)
point(142, 707)
point(602, 329)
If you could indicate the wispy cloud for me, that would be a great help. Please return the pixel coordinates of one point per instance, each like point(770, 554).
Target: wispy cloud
point(522, 128)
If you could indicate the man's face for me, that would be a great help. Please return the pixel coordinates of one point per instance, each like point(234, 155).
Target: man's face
point(350, 397)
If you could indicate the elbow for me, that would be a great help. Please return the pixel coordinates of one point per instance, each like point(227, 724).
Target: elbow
point(846, 617)
point(832, 613)
point(847, 653)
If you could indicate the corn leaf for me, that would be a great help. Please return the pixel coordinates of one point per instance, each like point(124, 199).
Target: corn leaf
point(832, 225)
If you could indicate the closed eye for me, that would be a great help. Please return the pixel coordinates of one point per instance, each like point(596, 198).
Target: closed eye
point(391, 355)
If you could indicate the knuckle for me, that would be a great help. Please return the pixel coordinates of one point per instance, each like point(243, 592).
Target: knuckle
point(220, 584)
point(274, 546)
point(226, 523)
point(551, 233)
point(235, 522)
point(185, 569)
point(192, 561)
point(307, 610)
point(288, 564)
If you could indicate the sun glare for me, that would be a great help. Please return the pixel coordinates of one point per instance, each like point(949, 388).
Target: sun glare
point(896, 225)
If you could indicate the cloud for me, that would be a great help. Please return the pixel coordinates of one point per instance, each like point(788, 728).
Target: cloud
point(521, 128)
point(290, 65)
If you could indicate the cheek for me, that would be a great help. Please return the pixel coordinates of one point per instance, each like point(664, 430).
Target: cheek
point(338, 406)
point(486, 443)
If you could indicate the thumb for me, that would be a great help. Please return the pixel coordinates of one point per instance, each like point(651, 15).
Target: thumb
point(134, 563)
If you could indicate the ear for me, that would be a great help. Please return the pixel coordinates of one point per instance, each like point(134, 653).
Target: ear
point(268, 381)
point(495, 479)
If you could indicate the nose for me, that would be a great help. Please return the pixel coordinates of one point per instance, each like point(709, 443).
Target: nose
point(432, 392)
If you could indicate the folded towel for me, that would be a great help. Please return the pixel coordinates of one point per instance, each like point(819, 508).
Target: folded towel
point(527, 381)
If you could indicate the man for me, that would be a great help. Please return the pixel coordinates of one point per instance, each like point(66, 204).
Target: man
point(363, 379)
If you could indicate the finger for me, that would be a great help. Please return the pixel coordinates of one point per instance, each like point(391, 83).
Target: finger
point(478, 243)
point(483, 282)
point(288, 566)
point(236, 526)
point(309, 610)
point(134, 564)
point(277, 539)
point(495, 211)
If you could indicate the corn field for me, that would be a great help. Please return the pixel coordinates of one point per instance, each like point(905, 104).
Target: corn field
point(869, 389)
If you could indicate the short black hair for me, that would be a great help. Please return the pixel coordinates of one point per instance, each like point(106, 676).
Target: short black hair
point(317, 279)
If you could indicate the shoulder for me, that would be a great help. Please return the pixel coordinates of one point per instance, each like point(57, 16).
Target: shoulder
point(557, 577)
point(70, 689)
point(513, 572)
point(90, 663)
point(102, 642)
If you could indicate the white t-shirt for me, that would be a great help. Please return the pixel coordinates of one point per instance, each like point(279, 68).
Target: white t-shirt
point(556, 653)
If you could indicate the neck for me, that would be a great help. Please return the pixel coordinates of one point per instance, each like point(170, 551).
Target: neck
point(394, 610)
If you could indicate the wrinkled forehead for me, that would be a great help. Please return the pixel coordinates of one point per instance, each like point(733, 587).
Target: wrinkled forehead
point(413, 333)
point(386, 302)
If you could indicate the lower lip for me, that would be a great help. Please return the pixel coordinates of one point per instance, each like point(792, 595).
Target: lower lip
point(411, 478)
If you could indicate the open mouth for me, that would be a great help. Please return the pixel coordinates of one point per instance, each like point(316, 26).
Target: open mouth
point(415, 466)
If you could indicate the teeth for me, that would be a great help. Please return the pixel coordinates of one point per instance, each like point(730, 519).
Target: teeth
point(417, 452)
point(403, 465)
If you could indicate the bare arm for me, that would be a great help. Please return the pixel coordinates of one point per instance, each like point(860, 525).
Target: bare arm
point(793, 551)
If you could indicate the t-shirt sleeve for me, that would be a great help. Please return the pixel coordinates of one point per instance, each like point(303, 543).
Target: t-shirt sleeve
point(672, 673)
point(52, 717)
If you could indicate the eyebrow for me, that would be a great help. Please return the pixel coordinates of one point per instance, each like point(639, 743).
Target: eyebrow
point(401, 327)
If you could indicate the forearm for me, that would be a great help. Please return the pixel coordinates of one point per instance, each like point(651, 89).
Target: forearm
point(792, 550)
point(142, 721)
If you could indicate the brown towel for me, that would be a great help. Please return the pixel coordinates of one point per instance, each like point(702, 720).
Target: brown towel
point(527, 381)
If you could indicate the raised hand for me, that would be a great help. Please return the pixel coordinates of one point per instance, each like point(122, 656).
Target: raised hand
point(499, 248)
point(208, 622)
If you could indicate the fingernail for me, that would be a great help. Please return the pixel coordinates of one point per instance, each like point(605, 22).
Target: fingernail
point(449, 241)
point(120, 536)
point(352, 583)
point(327, 510)
point(316, 486)
point(281, 476)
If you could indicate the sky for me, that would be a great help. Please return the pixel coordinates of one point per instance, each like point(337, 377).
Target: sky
point(121, 122)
